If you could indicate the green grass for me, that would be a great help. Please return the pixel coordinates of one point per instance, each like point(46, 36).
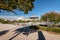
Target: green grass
point(52, 29)
point(42, 28)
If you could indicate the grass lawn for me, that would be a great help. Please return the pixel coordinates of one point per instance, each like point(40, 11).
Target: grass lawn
point(44, 28)
point(52, 29)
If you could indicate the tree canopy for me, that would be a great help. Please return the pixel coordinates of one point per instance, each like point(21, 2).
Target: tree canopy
point(51, 17)
point(22, 5)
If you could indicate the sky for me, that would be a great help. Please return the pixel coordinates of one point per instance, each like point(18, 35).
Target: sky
point(40, 8)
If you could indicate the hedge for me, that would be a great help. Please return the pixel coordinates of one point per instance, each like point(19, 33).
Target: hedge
point(53, 29)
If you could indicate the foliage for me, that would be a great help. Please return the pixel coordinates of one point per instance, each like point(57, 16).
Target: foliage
point(52, 29)
point(22, 5)
point(7, 21)
point(57, 30)
point(51, 17)
point(34, 27)
point(21, 21)
point(42, 28)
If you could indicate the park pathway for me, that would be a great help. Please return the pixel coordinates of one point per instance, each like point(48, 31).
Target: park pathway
point(19, 32)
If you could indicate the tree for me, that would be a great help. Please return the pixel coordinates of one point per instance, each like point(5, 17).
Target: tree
point(51, 17)
point(22, 5)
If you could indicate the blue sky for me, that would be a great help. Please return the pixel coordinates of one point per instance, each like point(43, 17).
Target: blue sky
point(40, 8)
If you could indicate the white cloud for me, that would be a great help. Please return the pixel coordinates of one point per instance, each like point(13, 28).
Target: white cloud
point(11, 17)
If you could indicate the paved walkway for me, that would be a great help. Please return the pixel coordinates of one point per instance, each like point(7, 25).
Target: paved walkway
point(50, 36)
point(19, 32)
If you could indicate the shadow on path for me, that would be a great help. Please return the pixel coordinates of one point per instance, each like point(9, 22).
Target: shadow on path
point(3, 32)
point(25, 31)
point(41, 36)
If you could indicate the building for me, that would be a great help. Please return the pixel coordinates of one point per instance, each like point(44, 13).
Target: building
point(33, 17)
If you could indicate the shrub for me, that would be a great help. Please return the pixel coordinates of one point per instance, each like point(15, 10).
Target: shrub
point(57, 30)
point(42, 28)
point(34, 27)
point(52, 29)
